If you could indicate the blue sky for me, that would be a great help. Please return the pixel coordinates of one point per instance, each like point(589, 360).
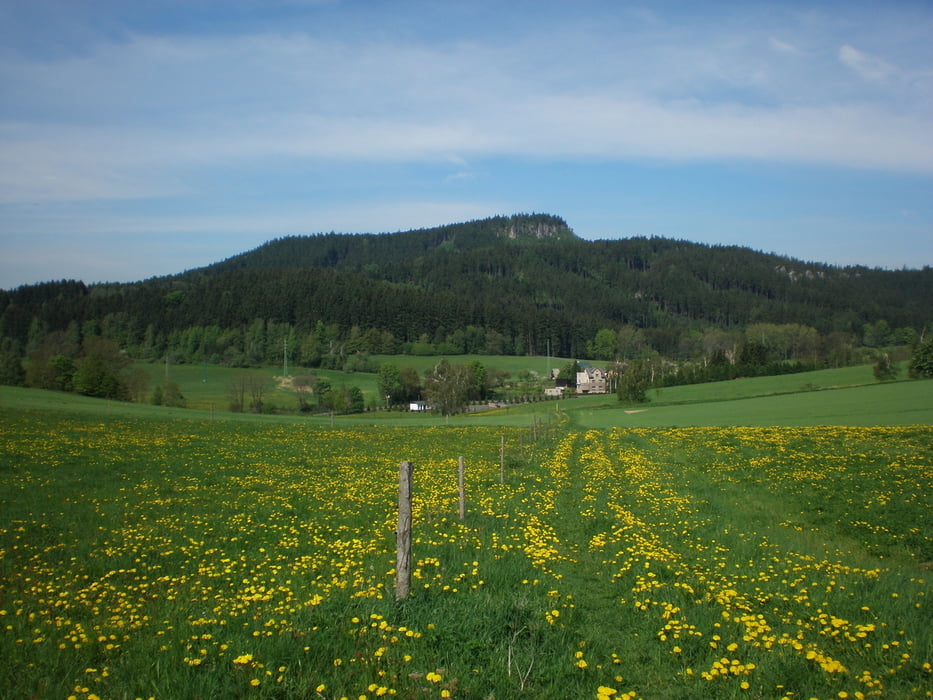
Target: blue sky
point(142, 137)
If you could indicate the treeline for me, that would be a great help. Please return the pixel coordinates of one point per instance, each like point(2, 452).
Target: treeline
point(95, 366)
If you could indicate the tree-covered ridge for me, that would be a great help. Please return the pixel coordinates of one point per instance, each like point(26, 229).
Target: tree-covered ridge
point(506, 285)
point(371, 251)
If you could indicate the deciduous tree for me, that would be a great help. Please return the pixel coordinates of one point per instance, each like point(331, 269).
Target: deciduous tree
point(634, 382)
point(884, 369)
point(921, 362)
point(98, 370)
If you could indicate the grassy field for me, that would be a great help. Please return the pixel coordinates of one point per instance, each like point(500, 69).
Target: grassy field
point(208, 385)
point(898, 403)
point(810, 398)
point(150, 552)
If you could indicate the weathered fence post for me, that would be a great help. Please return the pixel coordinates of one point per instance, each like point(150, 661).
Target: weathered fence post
point(461, 486)
point(403, 533)
point(502, 459)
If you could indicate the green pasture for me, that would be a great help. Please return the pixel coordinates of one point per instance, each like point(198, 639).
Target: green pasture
point(894, 403)
point(846, 396)
point(204, 386)
point(768, 386)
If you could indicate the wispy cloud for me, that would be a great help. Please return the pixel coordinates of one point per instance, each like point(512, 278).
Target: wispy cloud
point(867, 66)
point(783, 46)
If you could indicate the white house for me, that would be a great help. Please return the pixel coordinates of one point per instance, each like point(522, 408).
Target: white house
point(418, 406)
point(592, 380)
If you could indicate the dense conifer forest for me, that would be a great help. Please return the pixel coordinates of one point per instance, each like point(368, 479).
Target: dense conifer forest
point(518, 285)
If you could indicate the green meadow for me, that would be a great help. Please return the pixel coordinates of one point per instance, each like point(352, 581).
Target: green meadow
point(846, 396)
point(204, 386)
point(751, 402)
point(760, 538)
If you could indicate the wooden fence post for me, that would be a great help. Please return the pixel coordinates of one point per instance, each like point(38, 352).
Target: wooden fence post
point(461, 486)
point(502, 459)
point(403, 533)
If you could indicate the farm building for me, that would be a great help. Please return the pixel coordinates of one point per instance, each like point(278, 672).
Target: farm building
point(592, 380)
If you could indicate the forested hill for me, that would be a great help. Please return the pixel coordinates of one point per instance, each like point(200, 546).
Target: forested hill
point(506, 284)
point(364, 251)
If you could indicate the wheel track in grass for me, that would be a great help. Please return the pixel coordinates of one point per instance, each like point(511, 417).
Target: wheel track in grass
point(586, 590)
point(768, 607)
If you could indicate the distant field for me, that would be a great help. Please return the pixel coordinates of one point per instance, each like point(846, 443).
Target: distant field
point(736, 403)
point(763, 386)
point(207, 385)
point(204, 386)
point(847, 396)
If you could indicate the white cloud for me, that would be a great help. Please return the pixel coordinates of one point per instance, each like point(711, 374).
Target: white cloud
point(145, 117)
point(867, 66)
point(783, 46)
